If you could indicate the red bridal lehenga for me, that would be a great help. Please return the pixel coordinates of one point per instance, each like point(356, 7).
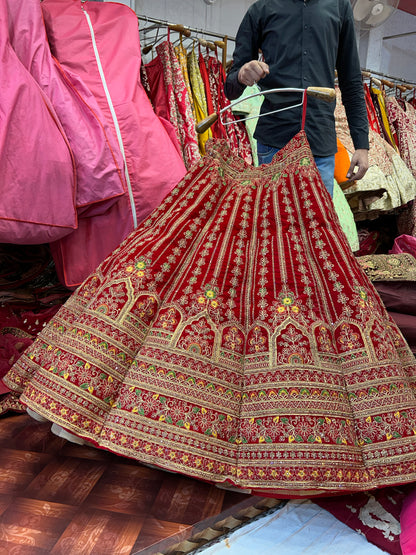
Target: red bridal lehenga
point(233, 337)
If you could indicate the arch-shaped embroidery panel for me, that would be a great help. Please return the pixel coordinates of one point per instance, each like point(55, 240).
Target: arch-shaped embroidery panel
point(199, 336)
point(293, 345)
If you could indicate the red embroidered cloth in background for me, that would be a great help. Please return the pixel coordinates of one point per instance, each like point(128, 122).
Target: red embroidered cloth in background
point(402, 118)
point(234, 337)
point(30, 295)
point(18, 329)
point(227, 126)
point(170, 98)
point(376, 515)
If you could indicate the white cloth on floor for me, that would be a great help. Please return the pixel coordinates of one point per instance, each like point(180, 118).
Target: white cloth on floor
point(300, 527)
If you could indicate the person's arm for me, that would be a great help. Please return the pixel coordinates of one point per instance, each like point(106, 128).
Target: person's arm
point(352, 92)
point(246, 68)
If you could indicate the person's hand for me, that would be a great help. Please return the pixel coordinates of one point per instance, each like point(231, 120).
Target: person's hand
point(251, 72)
point(359, 160)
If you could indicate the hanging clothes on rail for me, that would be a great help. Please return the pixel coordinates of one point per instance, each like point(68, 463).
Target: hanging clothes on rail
point(371, 111)
point(37, 178)
point(168, 85)
point(388, 183)
point(218, 130)
point(377, 96)
point(199, 97)
point(83, 38)
point(403, 119)
point(182, 55)
point(234, 337)
point(236, 131)
point(226, 127)
point(98, 160)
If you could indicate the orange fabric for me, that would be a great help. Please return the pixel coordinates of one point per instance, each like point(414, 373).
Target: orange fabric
point(342, 163)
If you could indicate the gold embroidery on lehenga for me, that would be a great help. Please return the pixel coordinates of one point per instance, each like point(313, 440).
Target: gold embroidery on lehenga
point(235, 337)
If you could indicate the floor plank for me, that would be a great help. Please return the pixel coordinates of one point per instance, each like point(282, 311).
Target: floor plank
point(64, 499)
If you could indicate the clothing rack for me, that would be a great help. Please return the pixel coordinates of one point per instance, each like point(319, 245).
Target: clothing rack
point(400, 35)
point(391, 78)
point(188, 31)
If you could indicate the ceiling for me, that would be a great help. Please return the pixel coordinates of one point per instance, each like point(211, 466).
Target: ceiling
point(408, 6)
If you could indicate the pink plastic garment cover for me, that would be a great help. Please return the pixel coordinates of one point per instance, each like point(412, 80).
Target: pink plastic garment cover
point(99, 163)
point(408, 525)
point(404, 243)
point(37, 177)
point(153, 163)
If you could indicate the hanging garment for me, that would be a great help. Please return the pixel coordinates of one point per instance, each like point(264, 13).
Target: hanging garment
point(168, 90)
point(199, 97)
point(218, 130)
point(379, 104)
point(182, 56)
point(403, 120)
point(371, 111)
point(388, 183)
point(346, 217)
point(152, 79)
point(98, 160)
point(83, 36)
point(227, 126)
point(234, 337)
point(236, 132)
point(250, 108)
point(37, 178)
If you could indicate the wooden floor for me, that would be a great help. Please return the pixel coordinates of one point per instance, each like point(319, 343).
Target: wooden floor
point(64, 499)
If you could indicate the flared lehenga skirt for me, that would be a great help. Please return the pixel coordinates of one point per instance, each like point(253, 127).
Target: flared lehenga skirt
point(233, 337)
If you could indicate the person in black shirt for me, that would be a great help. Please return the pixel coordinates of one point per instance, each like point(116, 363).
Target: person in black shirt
point(302, 43)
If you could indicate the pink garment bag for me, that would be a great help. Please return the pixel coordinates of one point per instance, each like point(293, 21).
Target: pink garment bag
point(404, 243)
point(408, 524)
point(37, 178)
point(98, 159)
point(99, 42)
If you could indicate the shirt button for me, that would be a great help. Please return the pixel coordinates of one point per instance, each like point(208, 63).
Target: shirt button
point(305, 27)
point(305, 52)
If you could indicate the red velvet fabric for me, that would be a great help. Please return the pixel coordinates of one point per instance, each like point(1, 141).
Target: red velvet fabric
point(378, 516)
point(234, 337)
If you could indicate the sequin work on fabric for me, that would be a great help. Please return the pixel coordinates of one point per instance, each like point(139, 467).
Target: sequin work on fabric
point(233, 337)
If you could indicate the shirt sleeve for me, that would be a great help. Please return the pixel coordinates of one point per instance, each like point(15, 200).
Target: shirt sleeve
point(246, 49)
point(350, 82)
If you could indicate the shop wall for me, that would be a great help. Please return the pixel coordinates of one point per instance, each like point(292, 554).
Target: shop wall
point(389, 48)
point(394, 57)
point(222, 16)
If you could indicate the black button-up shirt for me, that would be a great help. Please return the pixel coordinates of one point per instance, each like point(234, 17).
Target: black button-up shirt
point(303, 42)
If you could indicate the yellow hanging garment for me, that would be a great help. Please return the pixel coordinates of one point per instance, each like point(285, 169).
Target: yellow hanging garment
point(199, 98)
